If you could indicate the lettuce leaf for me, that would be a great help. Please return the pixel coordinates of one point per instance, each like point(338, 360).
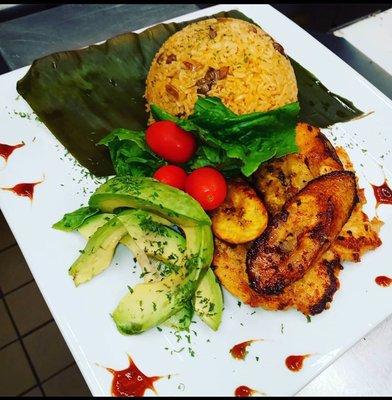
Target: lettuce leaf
point(75, 219)
point(237, 143)
point(130, 154)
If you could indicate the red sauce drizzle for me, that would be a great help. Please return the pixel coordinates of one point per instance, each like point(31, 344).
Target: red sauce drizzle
point(239, 351)
point(383, 194)
point(24, 189)
point(244, 391)
point(295, 363)
point(6, 150)
point(131, 382)
point(383, 281)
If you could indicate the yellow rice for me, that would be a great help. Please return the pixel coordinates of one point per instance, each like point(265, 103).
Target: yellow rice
point(257, 76)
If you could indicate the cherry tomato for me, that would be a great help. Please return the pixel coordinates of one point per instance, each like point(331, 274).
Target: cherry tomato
point(207, 186)
point(170, 142)
point(171, 175)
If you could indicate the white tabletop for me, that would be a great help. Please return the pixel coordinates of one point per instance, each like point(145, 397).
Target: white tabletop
point(373, 37)
point(364, 370)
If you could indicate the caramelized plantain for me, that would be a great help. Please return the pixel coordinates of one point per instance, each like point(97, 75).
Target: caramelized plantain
point(300, 233)
point(242, 217)
point(320, 155)
point(310, 295)
point(279, 180)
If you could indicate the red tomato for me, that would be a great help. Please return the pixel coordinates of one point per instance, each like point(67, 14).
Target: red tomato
point(170, 142)
point(207, 186)
point(171, 175)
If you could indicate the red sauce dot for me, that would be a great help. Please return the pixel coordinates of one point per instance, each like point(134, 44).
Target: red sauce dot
point(131, 382)
point(244, 391)
point(23, 189)
point(383, 281)
point(383, 193)
point(6, 149)
point(295, 363)
point(240, 350)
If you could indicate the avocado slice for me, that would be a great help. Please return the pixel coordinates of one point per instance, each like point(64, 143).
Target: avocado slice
point(100, 247)
point(150, 195)
point(155, 239)
point(91, 225)
point(208, 300)
point(99, 250)
point(181, 320)
point(150, 304)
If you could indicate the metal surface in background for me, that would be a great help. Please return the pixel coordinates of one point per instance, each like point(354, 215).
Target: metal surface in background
point(73, 26)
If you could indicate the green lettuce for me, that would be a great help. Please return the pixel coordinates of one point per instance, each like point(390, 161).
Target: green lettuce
point(233, 142)
point(130, 154)
point(75, 219)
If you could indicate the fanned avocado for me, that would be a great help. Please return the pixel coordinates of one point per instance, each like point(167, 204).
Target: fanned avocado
point(150, 304)
point(208, 300)
point(150, 195)
point(155, 269)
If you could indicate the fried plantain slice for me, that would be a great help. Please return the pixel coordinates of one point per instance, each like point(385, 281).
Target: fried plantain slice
point(279, 180)
point(310, 295)
point(320, 155)
point(242, 217)
point(300, 233)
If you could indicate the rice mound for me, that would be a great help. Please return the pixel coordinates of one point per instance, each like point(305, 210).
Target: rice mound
point(227, 58)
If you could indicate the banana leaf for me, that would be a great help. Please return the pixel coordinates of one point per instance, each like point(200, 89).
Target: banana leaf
point(82, 95)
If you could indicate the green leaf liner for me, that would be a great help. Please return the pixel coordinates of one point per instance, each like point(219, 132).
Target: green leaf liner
point(82, 95)
point(319, 106)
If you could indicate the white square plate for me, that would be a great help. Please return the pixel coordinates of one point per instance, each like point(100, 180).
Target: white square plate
point(83, 313)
